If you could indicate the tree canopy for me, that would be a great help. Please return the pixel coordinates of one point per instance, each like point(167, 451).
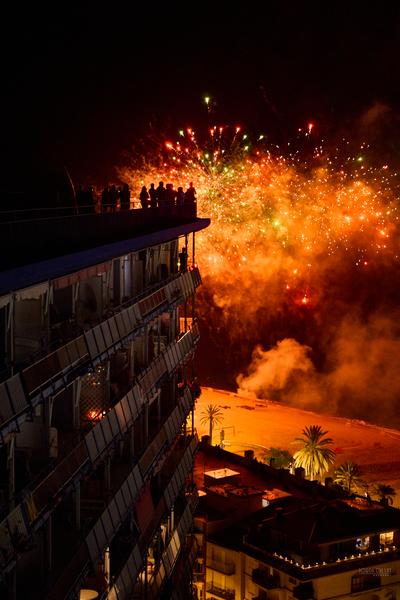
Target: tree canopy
point(211, 415)
point(314, 456)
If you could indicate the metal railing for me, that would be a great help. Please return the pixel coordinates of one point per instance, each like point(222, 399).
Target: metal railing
point(263, 578)
point(226, 567)
point(225, 593)
point(48, 213)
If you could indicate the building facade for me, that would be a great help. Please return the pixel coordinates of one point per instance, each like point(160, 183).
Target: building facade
point(97, 338)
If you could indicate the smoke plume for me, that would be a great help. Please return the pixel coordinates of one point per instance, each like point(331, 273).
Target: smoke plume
point(361, 377)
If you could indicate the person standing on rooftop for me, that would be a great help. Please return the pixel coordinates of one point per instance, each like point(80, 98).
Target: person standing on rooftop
point(161, 194)
point(153, 196)
point(180, 197)
point(190, 194)
point(125, 197)
point(144, 197)
point(113, 198)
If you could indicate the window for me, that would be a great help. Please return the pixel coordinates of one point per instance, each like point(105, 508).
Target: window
point(362, 543)
point(361, 582)
point(386, 539)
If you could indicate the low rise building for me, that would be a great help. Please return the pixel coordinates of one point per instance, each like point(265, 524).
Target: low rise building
point(290, 538)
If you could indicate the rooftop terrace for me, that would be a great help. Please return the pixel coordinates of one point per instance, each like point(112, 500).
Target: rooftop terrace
point(37, 234)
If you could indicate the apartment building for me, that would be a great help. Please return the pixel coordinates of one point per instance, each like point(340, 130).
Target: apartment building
point(265, 534)
point(97, 338)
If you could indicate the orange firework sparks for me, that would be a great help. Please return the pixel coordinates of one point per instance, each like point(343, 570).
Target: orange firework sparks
point(275, 215)
point(303, 245)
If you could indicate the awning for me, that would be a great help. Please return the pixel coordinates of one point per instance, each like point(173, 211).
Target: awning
point(4, 300)
point(67, 280)
point(32, 293)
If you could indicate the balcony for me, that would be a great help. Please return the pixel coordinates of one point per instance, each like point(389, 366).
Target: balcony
point(262, 578)
point(225, 567)
point(361, 583)
point(178, 558)
point(219, 592)
point(304, 591)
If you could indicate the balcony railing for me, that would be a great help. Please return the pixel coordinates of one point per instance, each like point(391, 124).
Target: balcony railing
point(172, 551)
point(51, 234)
point(225, 593)
point(304, 591)
point(365, 582)
point(262, 578)
point(50, 213)
point(225, 567)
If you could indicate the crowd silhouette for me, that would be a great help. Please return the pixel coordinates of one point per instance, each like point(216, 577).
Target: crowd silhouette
point(113, 198)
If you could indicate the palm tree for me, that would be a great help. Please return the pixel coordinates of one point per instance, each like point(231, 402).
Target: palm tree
point(213, 416)
point(347, 475)
point(314, 457)
point(385, 493)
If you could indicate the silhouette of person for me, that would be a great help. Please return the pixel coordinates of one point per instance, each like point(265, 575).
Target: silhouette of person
point(183, 259)
point(105, 199)
point(153, 196)
point(180, 197)
point(161, 194)
point(89, 200)
point(113, 198)
point(190, 194)
point(170, 195)
point(222, 437)
point(125, 197)
point(144, 197)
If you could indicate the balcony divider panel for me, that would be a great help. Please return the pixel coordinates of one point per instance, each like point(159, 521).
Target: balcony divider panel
point(105, 329)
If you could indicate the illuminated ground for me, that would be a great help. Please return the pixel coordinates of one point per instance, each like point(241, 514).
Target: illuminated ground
point(257, 424)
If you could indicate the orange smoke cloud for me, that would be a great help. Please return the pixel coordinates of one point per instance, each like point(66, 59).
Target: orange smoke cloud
point(274, 370)
point(361, 377)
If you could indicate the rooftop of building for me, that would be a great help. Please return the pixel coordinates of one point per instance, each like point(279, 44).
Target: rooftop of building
point(324, 522)
point(303, 512)
point(275, 483)
point(47, 247)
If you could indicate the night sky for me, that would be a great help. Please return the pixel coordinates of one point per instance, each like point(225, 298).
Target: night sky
point(85, 84)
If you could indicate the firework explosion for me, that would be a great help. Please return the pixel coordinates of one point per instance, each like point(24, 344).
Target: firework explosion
point(299, 264)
